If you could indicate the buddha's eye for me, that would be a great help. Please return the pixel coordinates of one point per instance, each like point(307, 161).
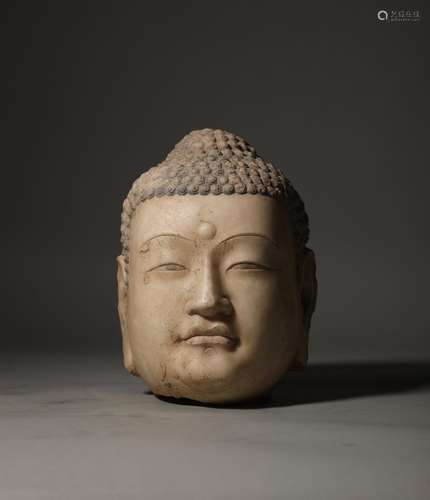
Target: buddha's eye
point(248, 266)
point(170, 266)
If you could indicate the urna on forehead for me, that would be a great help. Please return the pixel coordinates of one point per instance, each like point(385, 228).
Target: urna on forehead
point(206, 230)
point(214, 162)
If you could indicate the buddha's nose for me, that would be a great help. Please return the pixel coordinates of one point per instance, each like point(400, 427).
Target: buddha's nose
point(206, 297)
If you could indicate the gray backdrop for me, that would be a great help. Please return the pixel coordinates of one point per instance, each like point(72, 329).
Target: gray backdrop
point(96, 94)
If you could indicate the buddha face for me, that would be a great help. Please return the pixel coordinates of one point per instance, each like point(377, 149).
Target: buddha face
point(213, 307)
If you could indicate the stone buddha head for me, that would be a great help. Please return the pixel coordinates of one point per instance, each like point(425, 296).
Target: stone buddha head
point(216, 286)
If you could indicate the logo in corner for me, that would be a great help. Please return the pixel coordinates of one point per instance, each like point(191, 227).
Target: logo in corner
point(393, 16)
point(382, 15)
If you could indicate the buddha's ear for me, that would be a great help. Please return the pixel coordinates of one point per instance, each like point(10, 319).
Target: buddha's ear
point(122, 312)
point(308, 295)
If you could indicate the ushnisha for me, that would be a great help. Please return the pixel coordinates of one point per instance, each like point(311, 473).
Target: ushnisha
point(216, 286)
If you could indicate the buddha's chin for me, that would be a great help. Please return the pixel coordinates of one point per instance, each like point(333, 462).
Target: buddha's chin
point(206, 375)
point(218, 380)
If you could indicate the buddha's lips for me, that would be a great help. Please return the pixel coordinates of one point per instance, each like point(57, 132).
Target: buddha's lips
point(214, 334)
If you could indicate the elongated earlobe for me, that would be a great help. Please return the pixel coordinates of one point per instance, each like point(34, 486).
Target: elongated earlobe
point(122, 312)
point(308, 294)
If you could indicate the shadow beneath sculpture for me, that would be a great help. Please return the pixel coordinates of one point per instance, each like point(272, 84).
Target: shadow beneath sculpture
point(331, 382)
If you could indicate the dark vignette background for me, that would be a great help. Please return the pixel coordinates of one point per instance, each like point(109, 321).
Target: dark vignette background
point(97, 92)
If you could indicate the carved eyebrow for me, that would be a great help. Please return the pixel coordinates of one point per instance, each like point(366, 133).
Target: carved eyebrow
point(146, 242)
point(249, 234)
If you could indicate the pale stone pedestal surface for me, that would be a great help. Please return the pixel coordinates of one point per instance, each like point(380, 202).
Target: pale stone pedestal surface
point(79, 427)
